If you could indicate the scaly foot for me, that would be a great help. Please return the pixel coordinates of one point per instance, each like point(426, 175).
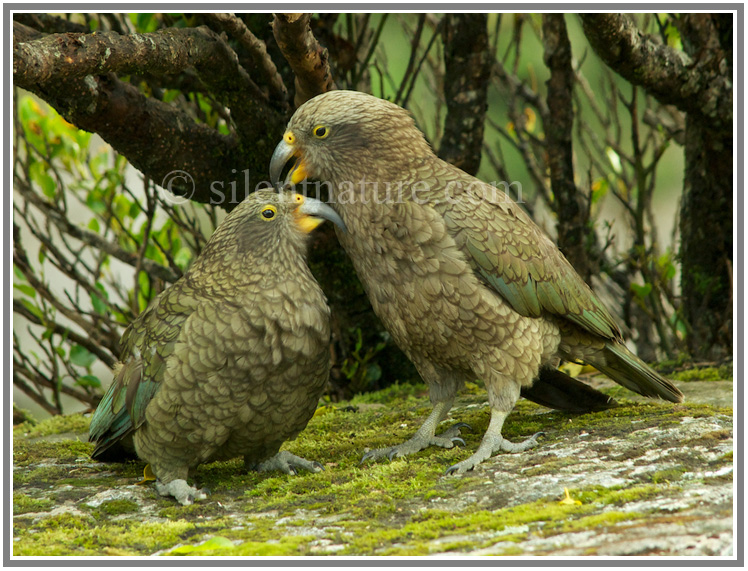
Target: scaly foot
point(446, 439)
point(489, 446)
point(286, 462)
point(182, 491)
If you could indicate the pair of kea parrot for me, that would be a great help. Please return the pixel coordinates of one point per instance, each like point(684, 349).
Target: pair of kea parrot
point(464, 281)
point(230, 360)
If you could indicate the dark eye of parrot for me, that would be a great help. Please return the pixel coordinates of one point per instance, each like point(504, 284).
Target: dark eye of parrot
point(268, 212)
point(320, 131)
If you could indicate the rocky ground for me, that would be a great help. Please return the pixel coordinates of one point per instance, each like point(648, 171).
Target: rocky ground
point(645, 478)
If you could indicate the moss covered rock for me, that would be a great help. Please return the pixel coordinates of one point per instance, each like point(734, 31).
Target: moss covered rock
point(645, 478)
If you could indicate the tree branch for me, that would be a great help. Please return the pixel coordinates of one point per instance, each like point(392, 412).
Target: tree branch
point(467, 73)
point(669, 75)
point(573, 234)
point(306, 56)
point(92, 238)
point(64, 70)
point(257, 49)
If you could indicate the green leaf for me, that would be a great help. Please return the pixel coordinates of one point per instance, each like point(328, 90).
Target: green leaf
point(94, 225)
point(38, 174)
point(25, 289)
point(641, 291)
point(373, 373)
point(599, 189)
point(88, 381)
point(95, 203)
point(98, 163)
point(33, 308)
point(183, 258)
point(81, 356)
point(97, 301)
point(146, 22)
point(170, 95)
point(19, 274)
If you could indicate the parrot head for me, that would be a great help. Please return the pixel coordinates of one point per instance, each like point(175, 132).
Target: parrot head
point(340, 135)
point(269, 220)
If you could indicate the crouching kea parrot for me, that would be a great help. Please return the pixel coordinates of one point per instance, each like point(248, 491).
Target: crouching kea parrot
point(230, 360)
point(465, 282)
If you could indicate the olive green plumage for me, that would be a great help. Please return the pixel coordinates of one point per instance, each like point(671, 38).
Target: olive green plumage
point(231, 359)
point(461, 277)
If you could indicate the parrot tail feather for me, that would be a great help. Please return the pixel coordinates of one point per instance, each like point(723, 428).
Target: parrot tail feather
point(630, 371)
point(555, 389)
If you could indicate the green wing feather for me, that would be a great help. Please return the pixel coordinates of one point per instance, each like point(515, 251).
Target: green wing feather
point(512, 255)
point(147, 344)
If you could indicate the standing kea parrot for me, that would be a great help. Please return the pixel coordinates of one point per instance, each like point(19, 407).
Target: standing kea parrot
point(467, 285)
point(231, 359)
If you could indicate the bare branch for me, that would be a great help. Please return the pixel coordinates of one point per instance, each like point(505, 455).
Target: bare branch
point(92, 238)
point(257, 49)
point(307, 57)
point(670, 75)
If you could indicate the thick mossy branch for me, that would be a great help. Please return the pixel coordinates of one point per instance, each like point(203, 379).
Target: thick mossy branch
point(467, 73)
point(306, 56)
point(76, 74)
point(168, 51)
point(670, 75)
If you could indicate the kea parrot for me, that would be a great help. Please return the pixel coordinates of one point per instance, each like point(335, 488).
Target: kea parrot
point(230, 360)
point(461, 277)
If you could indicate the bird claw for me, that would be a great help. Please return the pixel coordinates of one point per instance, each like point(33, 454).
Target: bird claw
point(286, 462)
point(181, 491)
point(465, 425)
point(392, 453)
point(451, 470)
point(458, 440)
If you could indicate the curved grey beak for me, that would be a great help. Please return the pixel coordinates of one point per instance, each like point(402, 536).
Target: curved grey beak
point(283, 152)
point(318, 209)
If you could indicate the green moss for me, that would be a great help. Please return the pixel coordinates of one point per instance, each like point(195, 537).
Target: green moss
point(599, 520)
point(285, 546)
point(26, 452)
point(667, 476)
point(69, 535)
point(23, 503)
point(43, 476)
point(722, 373)
point(397, 392)
point(617, 495)
point(375, 508)
point(117, 507)
point(64, 521)
point(54, 425)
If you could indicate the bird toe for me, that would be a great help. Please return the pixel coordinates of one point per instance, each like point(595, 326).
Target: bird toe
point(181, 491)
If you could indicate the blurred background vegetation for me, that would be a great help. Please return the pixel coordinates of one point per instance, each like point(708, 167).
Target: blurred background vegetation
point(96, 237)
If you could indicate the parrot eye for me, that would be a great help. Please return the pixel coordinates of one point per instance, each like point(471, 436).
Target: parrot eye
point(268, 212)
point(320, 131)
